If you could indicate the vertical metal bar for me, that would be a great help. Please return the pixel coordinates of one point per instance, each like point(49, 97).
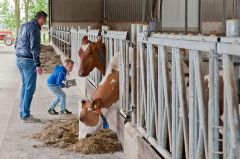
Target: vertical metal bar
point(121, 76)
point(153, 76)
point(126, 70)
point(201, 101)
point(211, 106)
point(174, 106)
point(133, 83)
point(180, 140)
point(216, 107)
point(160, 97)
point(226, 133)
point(192, 122)
point(138, 89)
point(166, 89)
point(143, 83)
point(182, 100)
point(164, 129)
point(148, 92)
point(232, 102)
point(200, 146)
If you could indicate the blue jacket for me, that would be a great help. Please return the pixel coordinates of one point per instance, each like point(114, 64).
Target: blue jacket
point(58, 76)
point(28, 42)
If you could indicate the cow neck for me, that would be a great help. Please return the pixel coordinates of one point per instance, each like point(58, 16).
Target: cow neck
point(101, 68)
point(101, 61)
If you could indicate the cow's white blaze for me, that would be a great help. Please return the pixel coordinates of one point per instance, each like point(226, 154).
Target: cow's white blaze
point(85, 47)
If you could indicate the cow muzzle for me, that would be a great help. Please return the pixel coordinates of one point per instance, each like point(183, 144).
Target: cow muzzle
point(82, 74)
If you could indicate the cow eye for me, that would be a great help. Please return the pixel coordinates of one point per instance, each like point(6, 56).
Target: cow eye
point(90, 53)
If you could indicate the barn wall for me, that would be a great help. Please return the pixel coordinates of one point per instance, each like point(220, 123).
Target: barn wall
point(213, 10)
point(77, 10)
point(72, 12)
point(174, 15)
point(83, 25)
point(120, 14)
point(123, 10)
point(214, 13)
point(92, 10)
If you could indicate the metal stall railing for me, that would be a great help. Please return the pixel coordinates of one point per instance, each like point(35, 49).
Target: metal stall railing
point(229, 49)
point(173, 122)
point(61, 38)
point(179, 113)
point(117, 42)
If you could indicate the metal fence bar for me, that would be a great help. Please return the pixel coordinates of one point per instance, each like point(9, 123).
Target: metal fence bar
point(192, 107)
point(117, 43)
point(59, 37)
point(179, 104)
point(201, 104)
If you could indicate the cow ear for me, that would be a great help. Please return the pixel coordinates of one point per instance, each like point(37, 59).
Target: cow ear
point(83, 102)
point(97, 103)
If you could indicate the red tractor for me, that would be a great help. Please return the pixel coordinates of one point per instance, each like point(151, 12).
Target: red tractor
point(6, 36)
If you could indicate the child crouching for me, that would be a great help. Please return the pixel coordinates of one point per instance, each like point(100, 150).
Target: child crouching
point(55, 84)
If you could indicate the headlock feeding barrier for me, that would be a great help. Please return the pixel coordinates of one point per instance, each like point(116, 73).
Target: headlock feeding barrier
point(181, 91)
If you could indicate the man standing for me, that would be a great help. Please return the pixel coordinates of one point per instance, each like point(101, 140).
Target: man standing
point(28, 61)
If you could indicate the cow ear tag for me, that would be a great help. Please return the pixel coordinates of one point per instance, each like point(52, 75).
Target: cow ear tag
point(105, 122)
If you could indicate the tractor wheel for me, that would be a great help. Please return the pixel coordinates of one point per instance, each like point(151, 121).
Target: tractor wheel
point(8, 41)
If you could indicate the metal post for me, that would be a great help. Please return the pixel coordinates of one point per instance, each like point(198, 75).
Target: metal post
point(132, 52)
point(126, 71)
point(192, 107)
point(174, 106)
point(182, 100)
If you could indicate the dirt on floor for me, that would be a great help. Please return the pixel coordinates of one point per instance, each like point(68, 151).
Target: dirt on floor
point(49, 58)
point(63, 133)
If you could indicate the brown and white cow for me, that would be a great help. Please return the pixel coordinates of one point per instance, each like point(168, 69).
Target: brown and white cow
point(92, 55)
point(104, 96)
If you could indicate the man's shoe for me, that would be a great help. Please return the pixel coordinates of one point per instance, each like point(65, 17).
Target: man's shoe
point(31, 119)
point(65, 112)
point(52, 111)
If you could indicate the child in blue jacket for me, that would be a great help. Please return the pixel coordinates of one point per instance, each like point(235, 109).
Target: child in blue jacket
point(55, 84)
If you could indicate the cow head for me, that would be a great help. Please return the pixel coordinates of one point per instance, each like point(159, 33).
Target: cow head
point(92, 54)
point(87, 115)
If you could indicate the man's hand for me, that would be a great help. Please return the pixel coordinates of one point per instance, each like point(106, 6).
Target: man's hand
point(39, 70)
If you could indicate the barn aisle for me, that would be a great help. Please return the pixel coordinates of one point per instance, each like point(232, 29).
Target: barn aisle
point(15, 139)
point(9, 83)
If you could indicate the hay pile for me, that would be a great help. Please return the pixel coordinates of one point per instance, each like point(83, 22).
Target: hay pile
point(63, 133)
point(49, 58)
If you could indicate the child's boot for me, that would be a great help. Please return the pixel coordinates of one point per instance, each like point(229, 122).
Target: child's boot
point(52, 111)
point(65, 112)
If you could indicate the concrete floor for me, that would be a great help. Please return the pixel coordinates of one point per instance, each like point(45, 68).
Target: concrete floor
point(15, 142)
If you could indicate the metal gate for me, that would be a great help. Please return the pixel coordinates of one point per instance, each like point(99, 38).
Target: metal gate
point(183, 110)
